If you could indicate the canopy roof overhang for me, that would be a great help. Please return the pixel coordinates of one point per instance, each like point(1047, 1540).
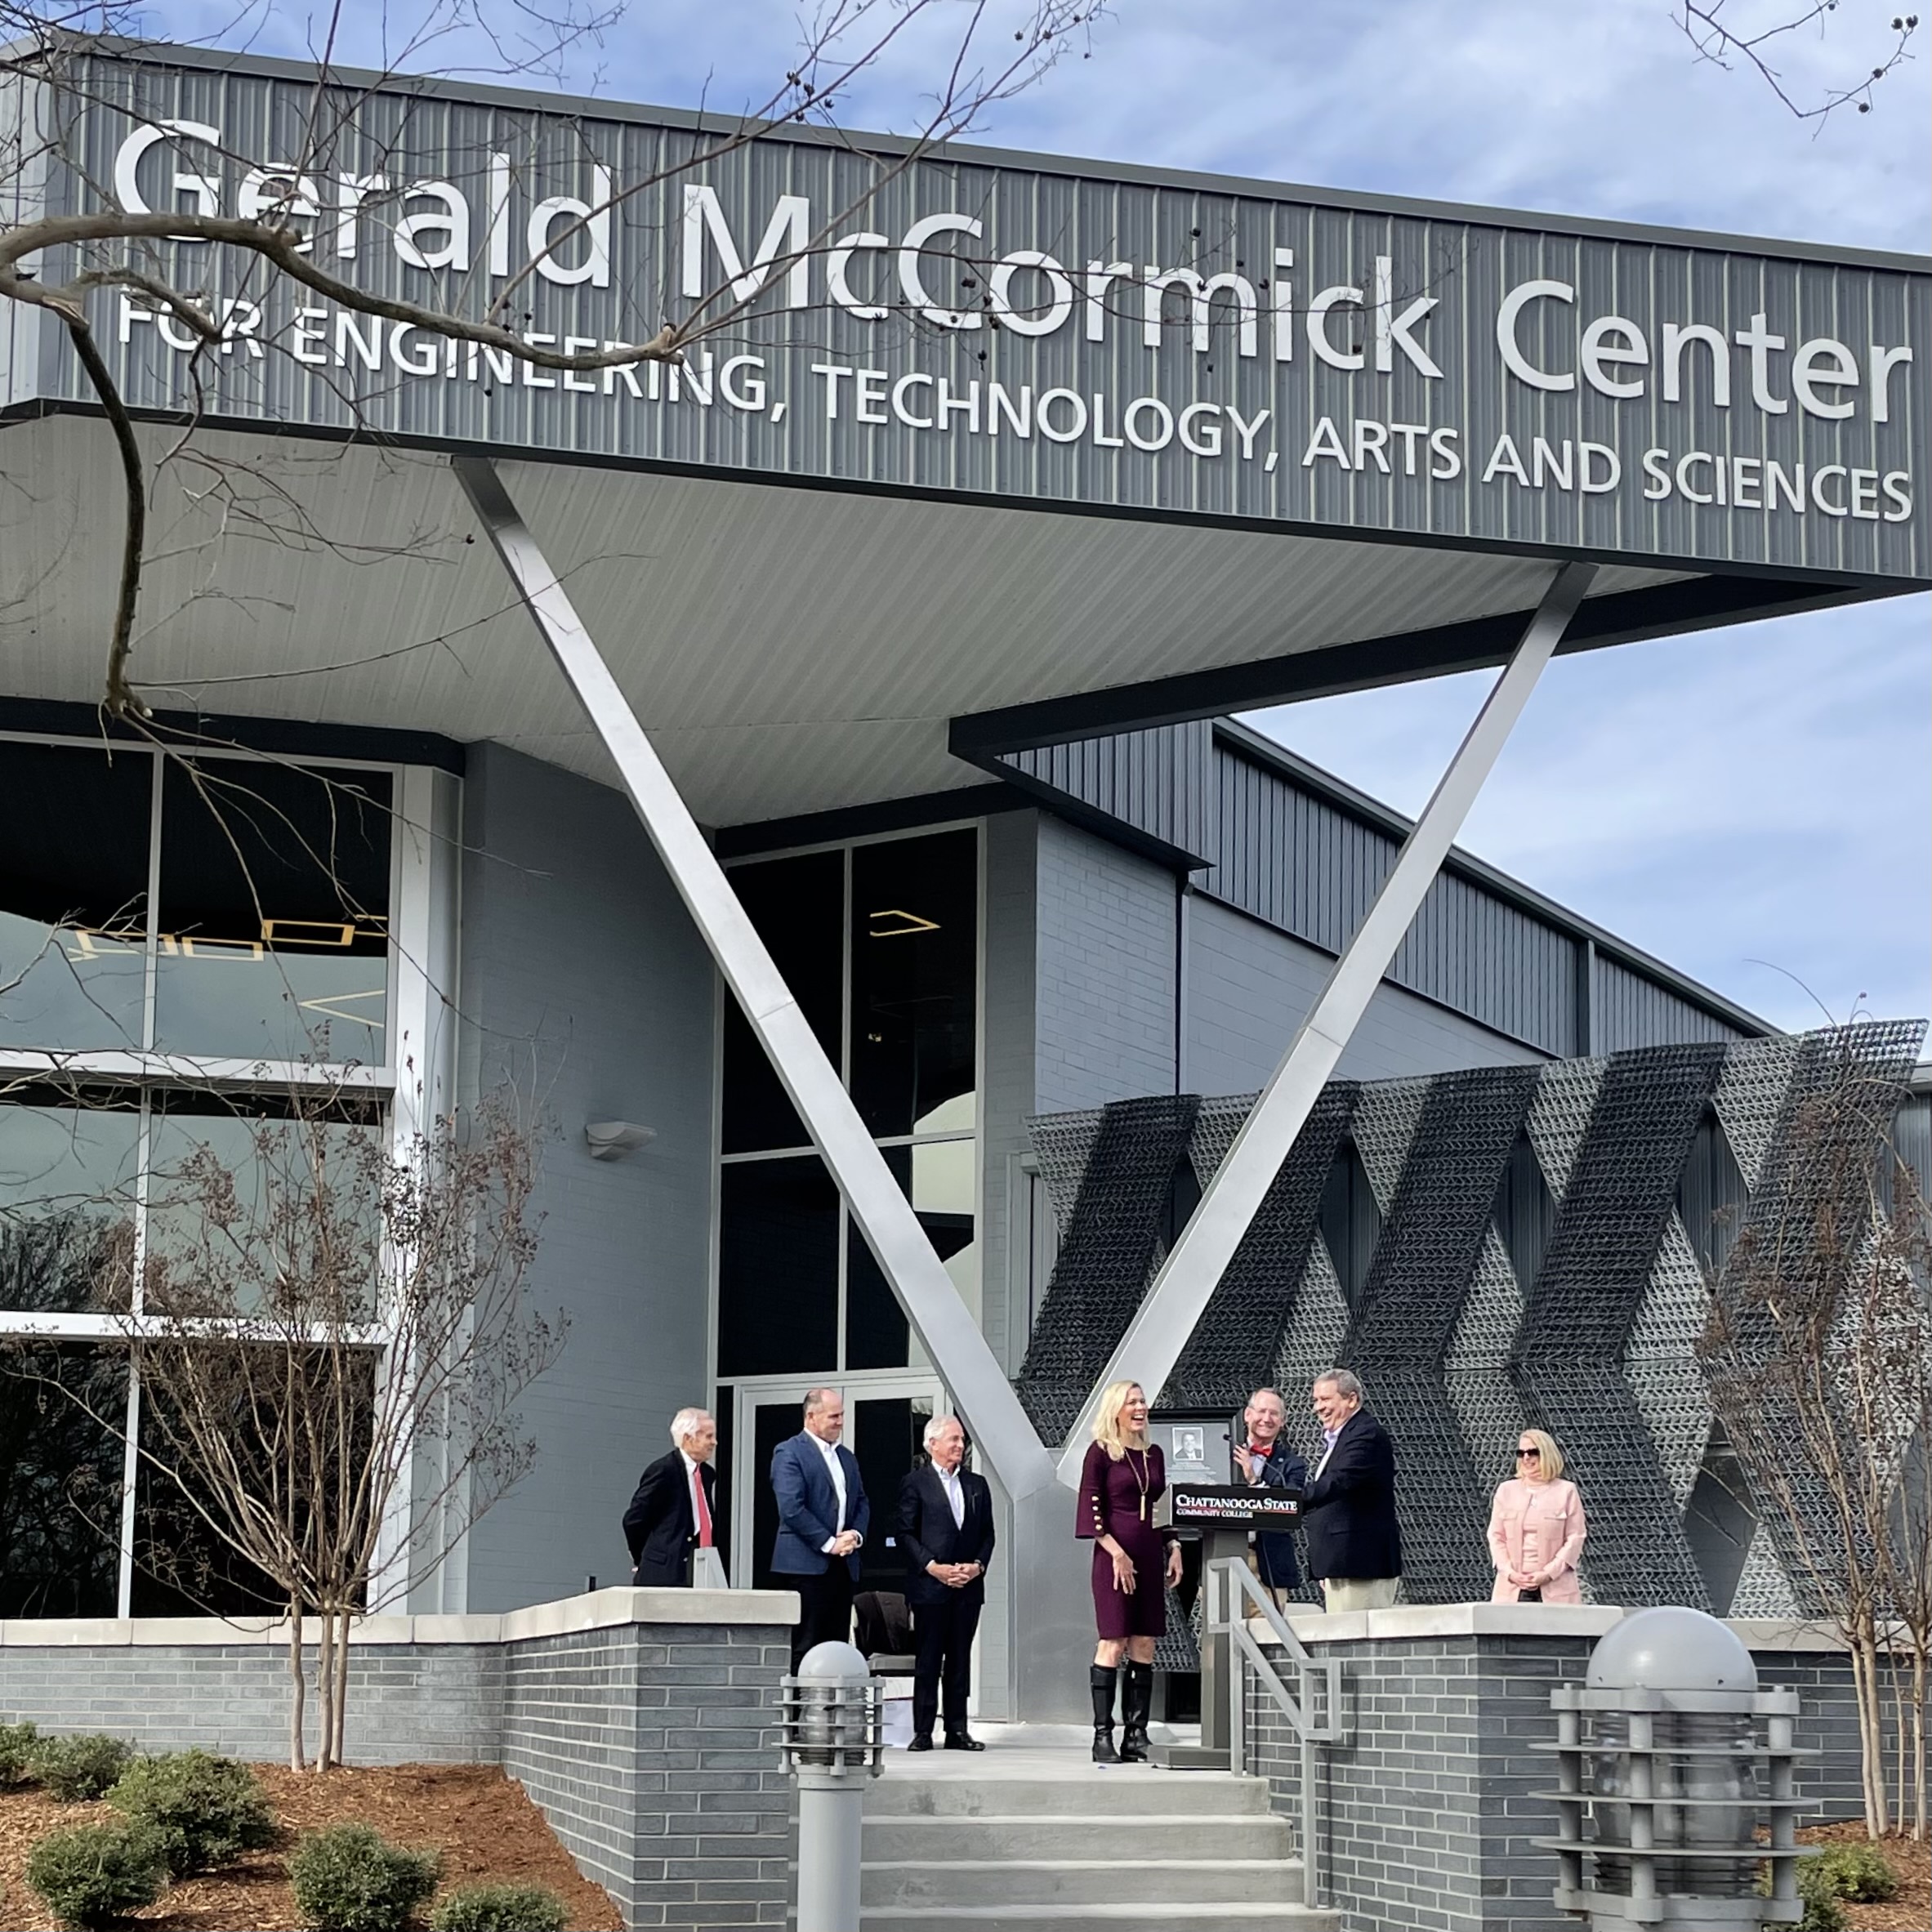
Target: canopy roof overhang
point(791, 649)
point(1083, 448)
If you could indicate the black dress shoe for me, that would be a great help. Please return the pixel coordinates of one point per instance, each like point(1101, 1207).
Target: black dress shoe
point(921, 1743)
point(959, 1741)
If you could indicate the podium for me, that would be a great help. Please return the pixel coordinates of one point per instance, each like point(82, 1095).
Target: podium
point(1226, 1515)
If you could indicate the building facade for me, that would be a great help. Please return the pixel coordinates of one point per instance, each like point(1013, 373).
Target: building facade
point(972, 961)
point(942, 610)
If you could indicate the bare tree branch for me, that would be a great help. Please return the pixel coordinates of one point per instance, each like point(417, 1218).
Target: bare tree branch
point(1712, 29)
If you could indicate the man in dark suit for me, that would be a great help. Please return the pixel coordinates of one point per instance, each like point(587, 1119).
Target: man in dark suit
point(1348, 1510)
point(945, 1527)
point(673, 1512)
point(823, 1518)
point(1266, 1460)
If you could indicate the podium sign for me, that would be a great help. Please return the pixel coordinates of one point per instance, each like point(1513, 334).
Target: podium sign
point(1233, 1506)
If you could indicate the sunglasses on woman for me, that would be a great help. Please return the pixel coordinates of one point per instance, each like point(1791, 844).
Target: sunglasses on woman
point(1530, 1455)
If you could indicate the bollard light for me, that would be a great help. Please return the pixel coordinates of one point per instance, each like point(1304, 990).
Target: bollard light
point(833, 1744)
point(1675, 1780)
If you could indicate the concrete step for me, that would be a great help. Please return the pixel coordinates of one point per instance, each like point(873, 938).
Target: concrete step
point(984, 1838)
point(1082, 1881)
point(1096, 1918)
point(1098, 1794)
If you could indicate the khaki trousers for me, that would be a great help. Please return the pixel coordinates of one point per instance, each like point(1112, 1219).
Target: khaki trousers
point(1360, 1593)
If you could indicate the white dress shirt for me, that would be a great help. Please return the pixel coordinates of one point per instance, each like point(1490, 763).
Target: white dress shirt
point(955, 1496)
point(836, 1469)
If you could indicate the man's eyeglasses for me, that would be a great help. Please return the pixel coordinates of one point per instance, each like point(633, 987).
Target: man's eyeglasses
point(1532, 1455)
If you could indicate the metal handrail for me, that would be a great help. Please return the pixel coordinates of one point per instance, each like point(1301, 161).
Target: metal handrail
point(1227, 1583)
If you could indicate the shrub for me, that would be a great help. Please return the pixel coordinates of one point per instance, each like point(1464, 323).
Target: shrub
point(78, 1768)
point(208, 1810)
point(1860, 1872)
point(500, 1908)
point(1823, 1912)
point(16, 1745)
point(94, 1874)
point(350, 1878)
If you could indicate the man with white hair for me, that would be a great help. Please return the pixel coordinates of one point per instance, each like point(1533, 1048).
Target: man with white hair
point(1348, 1510)
point(672, 1513)
point(945, 1528)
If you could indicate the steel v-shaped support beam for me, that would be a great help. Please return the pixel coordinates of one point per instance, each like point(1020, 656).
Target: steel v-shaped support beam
point(947, 1331)
point(939, 1316)
point(1193, 1267)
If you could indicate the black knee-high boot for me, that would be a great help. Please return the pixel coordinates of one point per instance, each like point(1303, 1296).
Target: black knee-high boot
point(1137, 1705)
point(1101, 1678)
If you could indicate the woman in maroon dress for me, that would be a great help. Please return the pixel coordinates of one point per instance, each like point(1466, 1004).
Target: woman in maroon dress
point(1124, 1477)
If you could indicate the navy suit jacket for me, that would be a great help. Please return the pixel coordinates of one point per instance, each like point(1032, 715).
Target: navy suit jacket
point(1348, 1510)
point(928, 1534)
point(808, 1506)
point(1275, 1552)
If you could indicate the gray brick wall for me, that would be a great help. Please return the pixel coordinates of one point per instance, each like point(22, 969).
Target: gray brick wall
point(1428, 1810)
point(1106, 990)
point(652, 1748)
point(585, 984)
point(653, 1751)
point(409, 1704)
point(1249, 984)
point(1827, 1724)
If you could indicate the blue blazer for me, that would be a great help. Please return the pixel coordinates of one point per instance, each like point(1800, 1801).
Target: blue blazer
point(808, 1506)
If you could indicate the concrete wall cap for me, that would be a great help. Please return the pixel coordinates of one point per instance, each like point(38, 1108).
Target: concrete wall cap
point(600, 1610)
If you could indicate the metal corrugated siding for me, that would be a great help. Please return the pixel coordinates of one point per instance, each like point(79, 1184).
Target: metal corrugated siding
point(1297, 861)
point(1305, 865)
point(1633, 1010)
point(1912, 1137)
point(1466, 265)
point(1159, 781)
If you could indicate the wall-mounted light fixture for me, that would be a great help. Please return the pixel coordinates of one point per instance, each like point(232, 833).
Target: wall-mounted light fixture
point(612, 1140)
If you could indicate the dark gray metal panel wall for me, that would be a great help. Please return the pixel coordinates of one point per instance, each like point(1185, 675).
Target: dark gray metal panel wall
point(1159, 781)
point(1467, 261)
point(1301, 862)
point(1632, 1011)
point(1912, 1138)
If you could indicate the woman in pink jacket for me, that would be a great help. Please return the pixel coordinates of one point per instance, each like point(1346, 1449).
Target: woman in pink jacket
point(1535, 1528)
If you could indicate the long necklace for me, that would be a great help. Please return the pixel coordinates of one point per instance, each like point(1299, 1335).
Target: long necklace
point(1140, 1479)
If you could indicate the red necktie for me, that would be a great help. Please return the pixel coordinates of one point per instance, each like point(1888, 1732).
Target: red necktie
point(700, 1509)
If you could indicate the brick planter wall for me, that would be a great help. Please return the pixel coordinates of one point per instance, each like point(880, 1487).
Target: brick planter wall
point(1428, 1813)
point(642, 1723)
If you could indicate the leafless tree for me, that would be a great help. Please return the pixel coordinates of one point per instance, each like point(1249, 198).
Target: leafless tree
point(991, 50)
point(1757, 36)
point(331, 1335)
point(1818, 1351)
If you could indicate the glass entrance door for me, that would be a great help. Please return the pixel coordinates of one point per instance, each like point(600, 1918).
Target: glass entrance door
point(885, 1418)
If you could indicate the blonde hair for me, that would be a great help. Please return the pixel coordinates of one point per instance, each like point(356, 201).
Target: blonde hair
point(1550, 1463)
point(1108, 1432)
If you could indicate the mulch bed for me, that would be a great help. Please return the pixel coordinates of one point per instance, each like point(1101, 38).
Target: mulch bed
point(1911, 1909)
point(482, 1823)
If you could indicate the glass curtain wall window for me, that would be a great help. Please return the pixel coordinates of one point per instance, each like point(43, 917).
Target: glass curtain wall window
point(186, 942)
point(880, 944)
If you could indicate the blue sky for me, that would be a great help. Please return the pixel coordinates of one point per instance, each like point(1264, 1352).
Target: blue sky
point(1753, 805)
